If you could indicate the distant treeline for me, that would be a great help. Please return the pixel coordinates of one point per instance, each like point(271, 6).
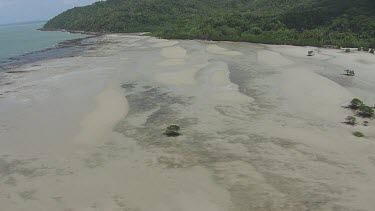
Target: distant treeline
point(348, 23)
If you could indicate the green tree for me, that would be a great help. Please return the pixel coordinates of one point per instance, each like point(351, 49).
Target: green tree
point(172, 131)
point(366, 111)
point(256, 30)
point(355, 103)
point(350, 120)
point(358, 134)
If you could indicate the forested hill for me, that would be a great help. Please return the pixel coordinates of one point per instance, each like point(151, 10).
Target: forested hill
point(298, 22)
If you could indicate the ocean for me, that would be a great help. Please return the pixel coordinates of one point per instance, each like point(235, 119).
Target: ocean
point(21, 43)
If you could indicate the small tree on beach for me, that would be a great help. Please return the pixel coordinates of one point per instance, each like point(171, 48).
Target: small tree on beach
point(350, 120)
point(372, 50)
point(358, 134)
point(355, 103)
point(365, 111)
point(172, 131)
point(365, 123)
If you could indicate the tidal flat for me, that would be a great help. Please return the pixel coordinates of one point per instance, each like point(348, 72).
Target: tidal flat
point(261, 129)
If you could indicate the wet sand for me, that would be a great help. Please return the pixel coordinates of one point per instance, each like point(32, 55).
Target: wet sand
point(261, 129)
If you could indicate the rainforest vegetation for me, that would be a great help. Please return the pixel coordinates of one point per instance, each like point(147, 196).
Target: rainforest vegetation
point(349, 23)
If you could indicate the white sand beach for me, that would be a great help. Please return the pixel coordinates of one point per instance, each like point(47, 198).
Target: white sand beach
point(262, 129)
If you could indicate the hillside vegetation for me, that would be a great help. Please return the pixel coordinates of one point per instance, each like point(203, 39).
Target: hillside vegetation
point(297, 22)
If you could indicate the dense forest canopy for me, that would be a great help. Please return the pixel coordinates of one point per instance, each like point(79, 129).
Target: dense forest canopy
point(298, 22)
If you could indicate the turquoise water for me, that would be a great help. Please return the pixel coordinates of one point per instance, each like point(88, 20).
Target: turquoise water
point(18, 39)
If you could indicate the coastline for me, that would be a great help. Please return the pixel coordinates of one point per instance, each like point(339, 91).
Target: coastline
point(192, 39)
point(74, 31)
point(66, 48)
point(262, 129)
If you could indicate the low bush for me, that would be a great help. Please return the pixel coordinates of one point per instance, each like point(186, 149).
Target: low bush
point(172, 131)
point(358, 134)
point(350, 120)
point(355, 103)
point(365, 111)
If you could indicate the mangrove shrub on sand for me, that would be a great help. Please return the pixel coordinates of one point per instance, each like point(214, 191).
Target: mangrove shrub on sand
point(355, 103)
point(358, 134)
point(350, 120)
point(361, 109)
point(172, 131)
point(365, 111)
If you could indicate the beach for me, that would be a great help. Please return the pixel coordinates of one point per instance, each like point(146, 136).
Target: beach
point(262, 129)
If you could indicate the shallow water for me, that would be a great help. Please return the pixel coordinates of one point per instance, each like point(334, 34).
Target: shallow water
point(17, 39)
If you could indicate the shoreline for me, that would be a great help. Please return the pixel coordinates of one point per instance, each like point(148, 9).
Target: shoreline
point(7, 64)
point(192, 39)
point(74, 31)
point(261, 129)
point(46, 53)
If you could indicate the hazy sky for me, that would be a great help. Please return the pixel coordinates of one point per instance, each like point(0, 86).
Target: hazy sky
point(12, 11)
